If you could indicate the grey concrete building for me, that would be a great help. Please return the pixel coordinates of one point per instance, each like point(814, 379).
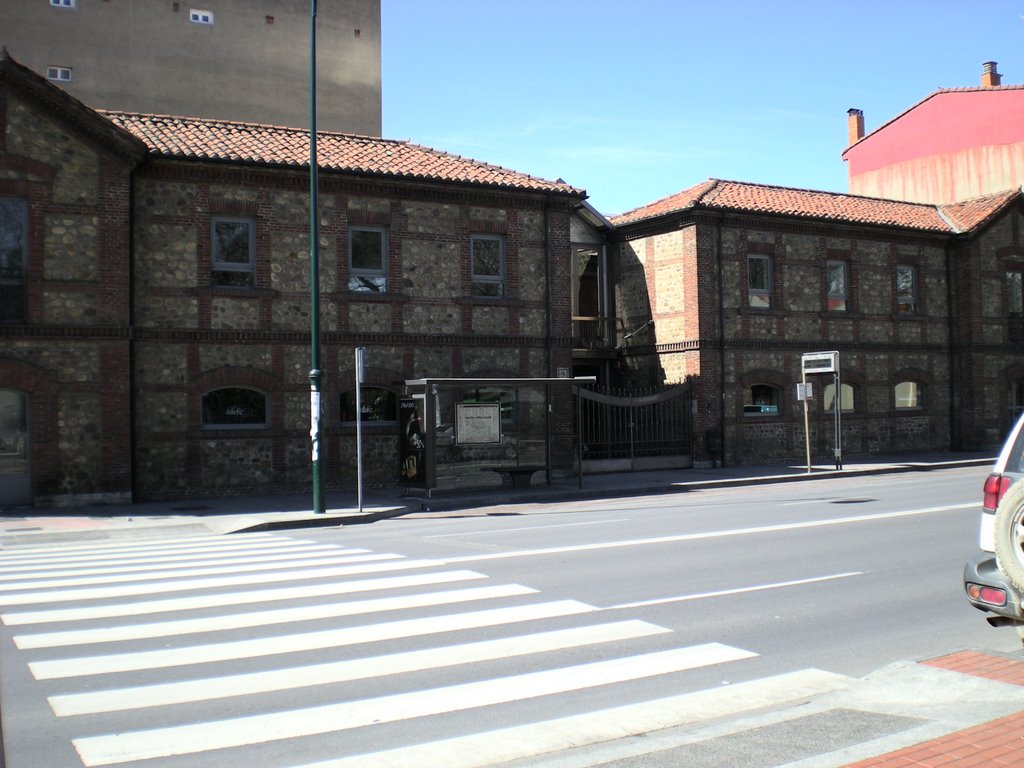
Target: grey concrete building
point(245, 60)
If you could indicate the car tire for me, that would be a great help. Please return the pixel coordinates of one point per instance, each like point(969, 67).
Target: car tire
point(1009, 535)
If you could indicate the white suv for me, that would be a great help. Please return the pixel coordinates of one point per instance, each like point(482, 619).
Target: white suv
point(994, 578)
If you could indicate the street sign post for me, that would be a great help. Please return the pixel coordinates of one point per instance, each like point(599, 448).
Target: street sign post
point(815, 363)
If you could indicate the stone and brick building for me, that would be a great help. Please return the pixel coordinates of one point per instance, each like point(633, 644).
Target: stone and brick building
point(740, 280)
point(155, 308)
point(155, 339)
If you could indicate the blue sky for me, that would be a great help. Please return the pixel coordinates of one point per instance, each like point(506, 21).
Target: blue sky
point(634, 100)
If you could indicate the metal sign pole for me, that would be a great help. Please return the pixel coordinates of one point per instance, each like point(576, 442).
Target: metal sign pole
point(360, 362)
point(807, 425)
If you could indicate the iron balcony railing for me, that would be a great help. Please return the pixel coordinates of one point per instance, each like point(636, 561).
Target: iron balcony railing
point(592, 333)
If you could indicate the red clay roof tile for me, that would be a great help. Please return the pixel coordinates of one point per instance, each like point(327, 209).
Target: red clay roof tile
point(968, 214)
point(202, 139)
point(743, 197)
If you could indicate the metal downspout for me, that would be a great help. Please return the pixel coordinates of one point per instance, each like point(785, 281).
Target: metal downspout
point(954, 345)
point(721, 342)
point(132, 399)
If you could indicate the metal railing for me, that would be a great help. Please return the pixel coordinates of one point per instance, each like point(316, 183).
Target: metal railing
point(621, 424)
point(592, 333)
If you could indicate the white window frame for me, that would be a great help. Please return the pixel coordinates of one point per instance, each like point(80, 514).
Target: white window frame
point(487, 285)
point(218, 265)
point(197, 16)
point(759, 297)
point(911, 306)
point(838, 301)
point(57, 74)
point(360, 279)
point(62, 3)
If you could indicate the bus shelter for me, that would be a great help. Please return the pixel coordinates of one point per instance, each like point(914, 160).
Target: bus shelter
point(475, 433)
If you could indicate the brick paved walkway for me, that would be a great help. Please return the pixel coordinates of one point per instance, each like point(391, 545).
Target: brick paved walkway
point(997, 744)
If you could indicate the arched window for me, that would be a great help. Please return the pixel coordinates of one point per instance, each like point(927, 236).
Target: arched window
point(762, 400)
point(909, 394)
point(847, 399)
point(234, 408)
point(377, 405)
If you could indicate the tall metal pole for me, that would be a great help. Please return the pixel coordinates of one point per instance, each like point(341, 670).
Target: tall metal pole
point(315, 374)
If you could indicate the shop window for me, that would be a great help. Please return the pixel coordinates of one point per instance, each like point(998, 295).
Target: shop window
point(846, 398)
point(367, 249)
point(234, 408)
point(233, 253)
point(908, 394)
point(13, 253)
point(762, 400)
point(378, 405)
point(759, 281)
point(487, 265)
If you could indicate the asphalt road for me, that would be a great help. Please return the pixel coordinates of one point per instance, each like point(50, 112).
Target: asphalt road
point(580, 608)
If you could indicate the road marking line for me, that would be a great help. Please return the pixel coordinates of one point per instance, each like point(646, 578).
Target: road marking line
point(187, 585)
point(327, 589)
point(522, 742)
point(99, 547)
point(176, 573)
point(268, 681)
point(706, 535)
point(168, 565)
point(506, 531)
point(331, 718)
point(156, 554)
point(233, 621)
point(306, 641)
point(737, 591)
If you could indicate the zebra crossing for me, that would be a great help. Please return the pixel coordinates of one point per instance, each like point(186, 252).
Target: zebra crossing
point(274, 651)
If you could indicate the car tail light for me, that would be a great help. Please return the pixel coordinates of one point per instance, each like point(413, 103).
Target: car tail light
point(995, 488)
point(989, 595)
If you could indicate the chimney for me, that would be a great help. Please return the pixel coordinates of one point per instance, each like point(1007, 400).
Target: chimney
point(855, 124)
point(989, 77)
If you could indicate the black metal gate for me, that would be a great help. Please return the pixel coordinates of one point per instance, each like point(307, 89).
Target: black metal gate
point(632, 425)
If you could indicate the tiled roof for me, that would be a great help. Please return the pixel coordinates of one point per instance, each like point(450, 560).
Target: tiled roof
point(969, 214)
point(743, 197)
point(201, 139)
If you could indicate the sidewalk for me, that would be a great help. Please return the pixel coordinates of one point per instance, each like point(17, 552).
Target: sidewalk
point(26, 526)
point(965, 710)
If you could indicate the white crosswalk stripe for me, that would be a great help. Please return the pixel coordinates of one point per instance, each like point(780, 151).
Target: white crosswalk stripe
point(268, 638)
